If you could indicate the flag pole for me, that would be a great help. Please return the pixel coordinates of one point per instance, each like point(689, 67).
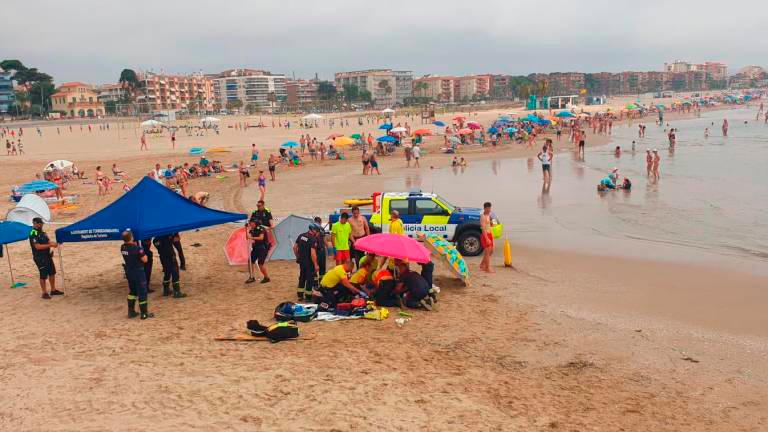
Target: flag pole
point(61, 266)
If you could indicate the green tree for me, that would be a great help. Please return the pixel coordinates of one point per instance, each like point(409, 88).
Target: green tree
point(252, 108)
point(234, 105)
point(40, 85)
point(365, 96)
point(351, 92)
point(110, 107)
point(326, 90)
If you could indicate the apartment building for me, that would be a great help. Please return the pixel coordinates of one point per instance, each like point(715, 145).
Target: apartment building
point(250, 87)
point(437, 88)
point(301, 92)
point(77, 99)
point(387, 87)
point(174, 92)
point(7, 96)
point(110, 92)
point(717, 70)
point(472, 87)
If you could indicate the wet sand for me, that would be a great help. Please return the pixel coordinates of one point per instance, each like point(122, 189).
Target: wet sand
point(564, 341)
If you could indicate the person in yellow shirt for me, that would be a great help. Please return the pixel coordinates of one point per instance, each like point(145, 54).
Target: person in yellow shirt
point(363, 274)
point(336, 286)
point(396, 224)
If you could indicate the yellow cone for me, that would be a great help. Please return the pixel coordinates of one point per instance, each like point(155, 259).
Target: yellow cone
point(507, 253)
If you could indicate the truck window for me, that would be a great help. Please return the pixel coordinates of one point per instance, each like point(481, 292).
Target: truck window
point(401, 205)
point(429, 208)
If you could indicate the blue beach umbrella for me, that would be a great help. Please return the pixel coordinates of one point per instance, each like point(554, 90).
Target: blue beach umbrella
point(387, 138)
point(492, 130)
point(505, 118)
point(438, 123)
point(564, 114)
point(289, 144)
point(532, 118)
point(37, 185)
point(510, 130)
point(386, 126)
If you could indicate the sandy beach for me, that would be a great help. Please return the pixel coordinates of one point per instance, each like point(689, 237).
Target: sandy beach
point(563, 341)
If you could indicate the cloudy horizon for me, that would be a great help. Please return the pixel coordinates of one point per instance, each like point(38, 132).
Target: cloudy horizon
point(84, 40)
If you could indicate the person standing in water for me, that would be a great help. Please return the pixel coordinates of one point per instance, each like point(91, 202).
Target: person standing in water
point(725, 127)
point(656, 162)
point(648, 162)
point(545, 156)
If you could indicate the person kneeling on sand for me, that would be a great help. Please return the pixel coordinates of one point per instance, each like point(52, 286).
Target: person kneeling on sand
point(335, 287)
point(413, 288)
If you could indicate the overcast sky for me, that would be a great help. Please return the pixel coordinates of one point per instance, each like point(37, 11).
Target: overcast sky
point(92, 41)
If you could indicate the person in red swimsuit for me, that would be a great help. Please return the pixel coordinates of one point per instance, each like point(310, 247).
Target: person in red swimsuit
point(486, 238)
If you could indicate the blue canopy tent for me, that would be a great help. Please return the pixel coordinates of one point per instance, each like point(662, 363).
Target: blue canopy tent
point(438, 123)
point(12, 232)
point(387, 138)
point(36, 186)
point(564, 114)
point(148, 210)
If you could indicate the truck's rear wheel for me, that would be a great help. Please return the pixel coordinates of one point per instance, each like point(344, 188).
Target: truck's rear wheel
point(469, 244)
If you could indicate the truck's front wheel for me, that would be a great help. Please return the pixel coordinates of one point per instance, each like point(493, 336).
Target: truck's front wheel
point(469, 244)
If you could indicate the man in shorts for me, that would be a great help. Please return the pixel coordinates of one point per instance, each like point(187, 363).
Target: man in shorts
point(360, 229)
point(257, 234)
point(43, 257)
point(486, 238)
point(341, 232)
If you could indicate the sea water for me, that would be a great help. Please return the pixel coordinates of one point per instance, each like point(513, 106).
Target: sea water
point(709, 205)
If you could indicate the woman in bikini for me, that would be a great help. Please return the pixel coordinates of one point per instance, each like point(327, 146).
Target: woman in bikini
point(262, 185)
point(243, 174)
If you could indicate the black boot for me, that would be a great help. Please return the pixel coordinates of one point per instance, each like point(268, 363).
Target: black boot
point(132, 309)
point(144, 314)
point(166, 288)
point(177, 291)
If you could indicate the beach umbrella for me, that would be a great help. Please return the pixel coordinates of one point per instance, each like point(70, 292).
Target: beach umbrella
point(438, 123)
point(459, 118)
point(388, 111)
point(236, 249)
point(219, 150)
point(12, 232)
point(289, 144)
point(446, 253)
point(151, 123)
point(564, 114)
point(532, 118)
point(343, 141)
point(394, 246)
point(465, 131)
point(36, 186)
point(631, 107)
point(510, 130)
point(386, 126)
point(210, 119)
point(399, 129)
point(312, 116)
point(60, 164)
point(492, 130)
point(661, 107)
point(505, 118)
point(356, 136)
point(387, 138)
point(334, 136)
point(474, 126)
point(422, 132)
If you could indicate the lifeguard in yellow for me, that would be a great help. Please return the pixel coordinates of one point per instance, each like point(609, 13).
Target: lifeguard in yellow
point(396, 224)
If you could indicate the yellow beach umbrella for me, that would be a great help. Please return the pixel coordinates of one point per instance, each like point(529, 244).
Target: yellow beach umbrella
point(343, 141)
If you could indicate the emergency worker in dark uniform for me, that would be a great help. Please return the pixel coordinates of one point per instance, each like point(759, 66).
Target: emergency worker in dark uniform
point(147, 246)
point(322, 250)
point(305, 250)
point(164, 246)
point(257, 234)
point(43, 257)
point(134, 258)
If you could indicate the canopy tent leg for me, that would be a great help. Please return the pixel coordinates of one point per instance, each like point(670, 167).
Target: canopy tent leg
point(61, 267)
point(10, 266)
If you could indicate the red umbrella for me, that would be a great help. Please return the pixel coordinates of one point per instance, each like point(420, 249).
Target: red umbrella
point(236, 249)
point(394, 246)
point(422, 132)
point(474, 126)
point(465, 131)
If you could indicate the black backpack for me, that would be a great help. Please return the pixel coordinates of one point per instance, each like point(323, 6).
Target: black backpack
point(275, 332)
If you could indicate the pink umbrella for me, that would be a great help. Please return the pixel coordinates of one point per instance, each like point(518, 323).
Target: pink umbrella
point(394, 246)
point(465, 131)
point(236, 248)
point(474, 125)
